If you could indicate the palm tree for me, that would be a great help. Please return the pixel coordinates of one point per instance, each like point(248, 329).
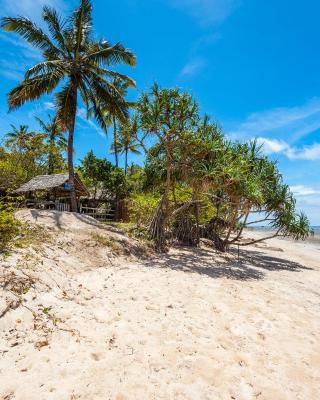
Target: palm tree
point(19, 137)
point(110, 115)
point(77, 63)
point(55, 137)
point(127, 141)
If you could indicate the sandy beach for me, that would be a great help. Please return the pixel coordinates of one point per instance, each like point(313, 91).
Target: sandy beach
point(99, 322)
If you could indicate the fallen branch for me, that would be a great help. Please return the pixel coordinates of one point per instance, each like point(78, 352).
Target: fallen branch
point(11, 306)
point(259, 240)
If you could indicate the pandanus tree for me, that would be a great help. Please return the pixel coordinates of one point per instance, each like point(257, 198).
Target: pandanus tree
point(165, 114)
point(76, 65)
point(217, 187)
point(55, 138)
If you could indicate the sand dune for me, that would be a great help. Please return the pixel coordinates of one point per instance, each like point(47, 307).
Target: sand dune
point(101, 323)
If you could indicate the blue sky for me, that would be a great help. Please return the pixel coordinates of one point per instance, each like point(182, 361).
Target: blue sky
point(254, 66)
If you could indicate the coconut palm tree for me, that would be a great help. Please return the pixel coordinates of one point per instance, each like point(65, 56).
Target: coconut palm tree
point(111, 118)
point(127, 141)
point(19, 137)
point(55, 138)
point(78, 64)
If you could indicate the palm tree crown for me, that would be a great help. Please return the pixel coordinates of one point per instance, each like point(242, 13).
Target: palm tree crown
point(19, 136)
point(127, 139)
point(52, 130)
point(55, 138)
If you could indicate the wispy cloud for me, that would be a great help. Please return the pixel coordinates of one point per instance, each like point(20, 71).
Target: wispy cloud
point(11, 69)
point(82, 114)
point(30, 8)
point(293, 122)
point(308, 198)
point(275, 146)
point(193, 67)
point(311, 152)
point(301, 190)
point(272, 145)
point(11, 74)
point(206, 12)
point(48, 105)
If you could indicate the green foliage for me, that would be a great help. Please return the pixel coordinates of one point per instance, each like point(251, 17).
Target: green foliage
point(135, 179)
point(56, 143)
point(102, 178)
point(26, 154)
point(206, 179)
point(9, 225)
point(106, 241)
point(142, 207)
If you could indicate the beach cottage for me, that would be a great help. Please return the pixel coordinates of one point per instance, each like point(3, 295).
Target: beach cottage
point(51, 191)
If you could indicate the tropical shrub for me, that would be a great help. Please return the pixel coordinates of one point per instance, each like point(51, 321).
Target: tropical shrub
point(9, 225)
point(141, 208)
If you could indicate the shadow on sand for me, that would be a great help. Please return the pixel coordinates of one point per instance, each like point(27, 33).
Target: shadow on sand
point(250, 265)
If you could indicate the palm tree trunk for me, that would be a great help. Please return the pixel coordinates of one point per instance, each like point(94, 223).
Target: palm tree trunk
point(73, 196)
point(115, 142)
point(126, 162)
point(50, 155)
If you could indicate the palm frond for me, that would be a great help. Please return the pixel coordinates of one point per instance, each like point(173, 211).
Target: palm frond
point(82, 24)
point(123, 79)
point(42, 124)
point(30, 32)
point(66, 102)
point(108, 98)
point(46, 67)
point(55, 26)
point(111, 55)
point(32, 89)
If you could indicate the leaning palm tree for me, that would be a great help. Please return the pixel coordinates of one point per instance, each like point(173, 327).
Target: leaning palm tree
point(55, 138)
point(19, 137)
point(127, 141)
point(77, 63)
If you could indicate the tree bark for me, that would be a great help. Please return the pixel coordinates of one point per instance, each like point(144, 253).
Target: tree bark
point(73, 196)
point(126, 162)
point(115, 143)
point(50, 155)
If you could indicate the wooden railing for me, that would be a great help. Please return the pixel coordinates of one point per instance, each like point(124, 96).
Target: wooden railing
point(100, 214)
point(62, 206)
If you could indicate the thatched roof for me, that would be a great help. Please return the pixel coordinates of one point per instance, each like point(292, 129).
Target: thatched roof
point(50, 182)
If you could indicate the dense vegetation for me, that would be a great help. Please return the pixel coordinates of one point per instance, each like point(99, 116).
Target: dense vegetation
point(195, 183)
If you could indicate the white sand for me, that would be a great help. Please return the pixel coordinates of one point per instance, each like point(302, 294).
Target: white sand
point(191, 324)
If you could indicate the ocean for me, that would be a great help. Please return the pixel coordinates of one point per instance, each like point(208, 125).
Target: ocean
point(315, 238)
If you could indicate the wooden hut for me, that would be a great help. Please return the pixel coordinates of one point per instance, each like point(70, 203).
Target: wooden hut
point(53, 191)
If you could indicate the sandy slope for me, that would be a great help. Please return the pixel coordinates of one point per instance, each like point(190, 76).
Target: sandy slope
point(188, 325)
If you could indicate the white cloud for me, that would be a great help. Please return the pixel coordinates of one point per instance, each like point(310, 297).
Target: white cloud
point(30, 8)
point(48, 105)
point(311, 152)
point(193, 67)
point(82, 114)
point(11, 74)
point(275, 146)
point(301, 190)
point(272, 145)
point(294, 122)
point(207, 12)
